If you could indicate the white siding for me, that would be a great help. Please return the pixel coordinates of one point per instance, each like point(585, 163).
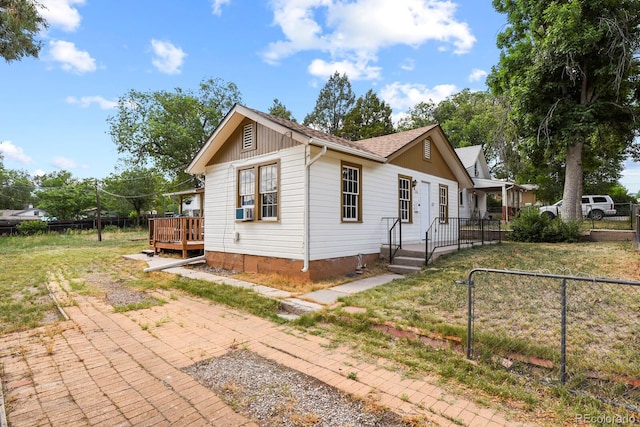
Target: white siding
point(330, 237)
point(282, 239)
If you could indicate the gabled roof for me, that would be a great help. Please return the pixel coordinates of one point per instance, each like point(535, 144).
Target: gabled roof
point(471, 155)
point(387, 145)
point(380, 149)
point(299, 133)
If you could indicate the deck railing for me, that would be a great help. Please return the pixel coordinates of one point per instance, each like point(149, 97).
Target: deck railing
point(176, 233)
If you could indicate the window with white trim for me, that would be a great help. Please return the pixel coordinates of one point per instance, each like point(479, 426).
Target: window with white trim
point(258, 187)
point(351, 193)
point(269, 191)
point(443, 204)
point(404, 198)
point(246, 187)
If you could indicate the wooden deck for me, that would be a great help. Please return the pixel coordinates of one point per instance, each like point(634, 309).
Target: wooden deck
point(180, 234)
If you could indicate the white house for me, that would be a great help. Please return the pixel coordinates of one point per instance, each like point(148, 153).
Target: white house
point(283, 198)
point(473, 201)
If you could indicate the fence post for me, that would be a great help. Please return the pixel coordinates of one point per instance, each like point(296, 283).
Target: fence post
point(469, 314)
point(563, 332)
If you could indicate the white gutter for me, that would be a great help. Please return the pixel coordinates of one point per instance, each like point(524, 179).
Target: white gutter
point(307, 216)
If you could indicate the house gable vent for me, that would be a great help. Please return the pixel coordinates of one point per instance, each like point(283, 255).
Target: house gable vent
point(248, 138)
point(427, 149)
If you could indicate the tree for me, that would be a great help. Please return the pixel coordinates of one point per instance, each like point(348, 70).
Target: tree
point(16, 188)
point(166, 129)
point(65, 197)
point(136, 189)
point(20, 22)
point(370, 117)
point(571, 74)
point(279, 110)
point(420, 115)
point(334, 101)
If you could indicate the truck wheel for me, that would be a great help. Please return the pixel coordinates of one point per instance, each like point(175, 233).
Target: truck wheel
point(597, 214)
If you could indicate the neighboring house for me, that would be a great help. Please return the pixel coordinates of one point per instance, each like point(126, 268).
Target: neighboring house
point(30, 213)
point(473, 201)
point(189, 201)
point(283, 198)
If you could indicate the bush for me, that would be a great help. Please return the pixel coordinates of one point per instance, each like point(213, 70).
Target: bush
point(29, 228)
point(530, 226)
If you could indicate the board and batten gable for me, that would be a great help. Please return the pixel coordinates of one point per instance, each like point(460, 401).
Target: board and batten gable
point(280, 238)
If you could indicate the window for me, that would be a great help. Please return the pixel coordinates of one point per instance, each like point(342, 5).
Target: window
point(258, 187)
point(351, 189)
point(246, 187)
point(269, 191)
point(427, 149)
point(443, 202)
point(248, 137)
point(404, 198)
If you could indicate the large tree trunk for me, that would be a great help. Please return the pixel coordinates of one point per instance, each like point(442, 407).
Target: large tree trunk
point(572, 195)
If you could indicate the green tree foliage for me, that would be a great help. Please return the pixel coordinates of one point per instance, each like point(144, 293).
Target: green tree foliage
point(473, 118)
point(166, 129)
point(20, 23)
point(421, 115)
point(65, 197)
point(16, 188)
point(571, 74)
point(137, 189)
point(31, 228)
point(334, 101)
point(370, 117)
point(279, 110)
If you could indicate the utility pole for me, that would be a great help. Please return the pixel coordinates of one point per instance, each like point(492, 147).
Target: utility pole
point(98, 212)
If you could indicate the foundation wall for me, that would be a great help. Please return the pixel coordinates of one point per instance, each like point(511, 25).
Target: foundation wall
point(318, 270)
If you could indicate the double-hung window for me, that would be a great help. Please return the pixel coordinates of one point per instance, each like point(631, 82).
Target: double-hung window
point(269, 191)
point(247, 187)
point(404, 198)
point(351, 192)
point(443, 204)
point(258, 187)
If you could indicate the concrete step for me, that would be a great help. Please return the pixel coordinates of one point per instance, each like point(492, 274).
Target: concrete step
point(410, 261)
point(403, 269)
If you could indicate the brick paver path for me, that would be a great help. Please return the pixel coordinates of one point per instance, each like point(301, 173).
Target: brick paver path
point(113, 369)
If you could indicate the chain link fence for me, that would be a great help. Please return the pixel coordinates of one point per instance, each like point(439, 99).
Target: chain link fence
point(583, 333)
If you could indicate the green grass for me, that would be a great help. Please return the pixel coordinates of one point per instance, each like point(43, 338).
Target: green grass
point(430, 302)
point(512, 314)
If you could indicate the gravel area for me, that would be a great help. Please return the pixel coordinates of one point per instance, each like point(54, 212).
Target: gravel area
point(115, 293)
point(274, 395)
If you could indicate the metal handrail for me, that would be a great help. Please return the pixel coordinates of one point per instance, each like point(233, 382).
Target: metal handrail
point(392, 234)
point(458, 232)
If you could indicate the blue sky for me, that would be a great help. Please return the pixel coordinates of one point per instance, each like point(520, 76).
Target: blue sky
point(54, 109)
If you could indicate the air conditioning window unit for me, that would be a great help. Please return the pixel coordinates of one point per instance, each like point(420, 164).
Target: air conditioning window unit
point(244, 213)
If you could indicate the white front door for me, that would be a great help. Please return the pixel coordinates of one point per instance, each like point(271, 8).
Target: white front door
point(425, 204)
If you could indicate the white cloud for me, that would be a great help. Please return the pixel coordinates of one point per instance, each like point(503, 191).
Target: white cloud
point(361, 28)
point(477, 75)
point(61, 14)
point(408, 64)
point(216, 6)
point(87, 101)
point(38, 172)
point(359, 70)
point(11, 151)
point(71, 59)
point(167, 58)
point(404, 96)
point(63, 163)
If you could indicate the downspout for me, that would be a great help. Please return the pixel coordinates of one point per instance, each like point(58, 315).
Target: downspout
point(307, 199)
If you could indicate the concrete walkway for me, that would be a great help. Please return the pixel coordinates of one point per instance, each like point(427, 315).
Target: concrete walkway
point(102, 368)
point(311, 301)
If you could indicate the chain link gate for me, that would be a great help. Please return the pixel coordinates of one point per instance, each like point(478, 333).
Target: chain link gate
point(579, 332)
